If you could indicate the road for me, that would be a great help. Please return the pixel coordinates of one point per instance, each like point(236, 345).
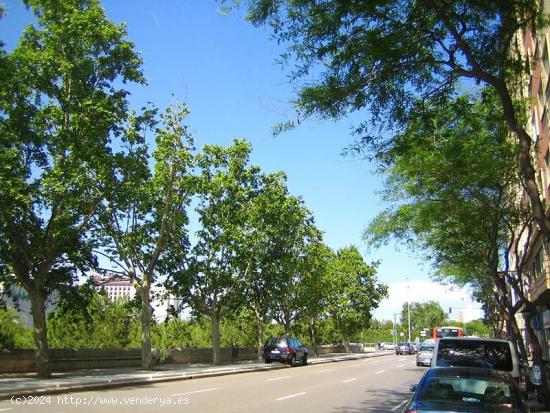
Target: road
point(367, 385)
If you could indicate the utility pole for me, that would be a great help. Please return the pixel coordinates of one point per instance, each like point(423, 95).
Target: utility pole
point(408, 311)
point(394, 331)
point(409, 317)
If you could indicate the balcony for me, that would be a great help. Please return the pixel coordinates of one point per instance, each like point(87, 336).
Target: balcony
point(540, 287)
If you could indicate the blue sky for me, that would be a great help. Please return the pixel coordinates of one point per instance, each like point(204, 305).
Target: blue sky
point(225, 70)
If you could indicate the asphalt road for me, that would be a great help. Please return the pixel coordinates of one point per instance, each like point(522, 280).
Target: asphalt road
point(368, 385)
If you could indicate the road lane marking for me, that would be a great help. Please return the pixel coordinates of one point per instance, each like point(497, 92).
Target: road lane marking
point(355, 365)
point(193, 392)
point(399, 405)
point(7, 408)
point(381, 371)
point(349, 380)
point(401, 365)
point(324, 371)
point(291, 396)
point(279, 378)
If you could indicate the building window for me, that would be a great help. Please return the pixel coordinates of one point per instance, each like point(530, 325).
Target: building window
point(535, 126)
point(538, 264)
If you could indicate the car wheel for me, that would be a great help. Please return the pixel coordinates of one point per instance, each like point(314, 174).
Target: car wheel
point(304, 361)
point(292, 361)
point(268, 361)
point(418, 364)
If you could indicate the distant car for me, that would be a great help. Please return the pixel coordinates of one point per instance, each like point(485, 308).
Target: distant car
point(425, 354)
point(404, 348)
point(465, 389)
point(285, 349)
point(387, 346)
point(489, 353)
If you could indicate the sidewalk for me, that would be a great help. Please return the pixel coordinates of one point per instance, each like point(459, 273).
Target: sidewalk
point(534, 406)
point(81, 380)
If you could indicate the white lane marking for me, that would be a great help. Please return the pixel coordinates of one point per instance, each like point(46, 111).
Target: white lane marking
point(324, 371)
point(279, 378)
point(291, 396)
point(399, 405)
point(349, 380)
point(193, 392)
point(7, 408)
point(401, 365)
point(355, 365)
point(381, 371)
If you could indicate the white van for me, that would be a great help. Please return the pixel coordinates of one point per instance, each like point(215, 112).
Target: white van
point(490, 353)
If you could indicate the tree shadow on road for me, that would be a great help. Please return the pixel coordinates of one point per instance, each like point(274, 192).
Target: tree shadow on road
point(378, 401)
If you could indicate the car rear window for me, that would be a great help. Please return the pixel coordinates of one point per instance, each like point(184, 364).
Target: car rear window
point(282, 342)
point(464, 394)
point(427, 348)
point(488, 354)
point(276, 342)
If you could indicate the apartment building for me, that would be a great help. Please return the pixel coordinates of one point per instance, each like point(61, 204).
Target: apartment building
point(535, 251)
point(121, 288)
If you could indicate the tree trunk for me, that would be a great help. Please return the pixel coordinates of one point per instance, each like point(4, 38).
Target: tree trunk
point(216, 356)
point(260, 330)
point(287, 326)
point(40, 334)
point(146, 318)
point(525, 164)
point(313, 338)
point(346, 343)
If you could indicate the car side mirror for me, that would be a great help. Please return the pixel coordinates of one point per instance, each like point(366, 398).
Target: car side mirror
point(413, 387)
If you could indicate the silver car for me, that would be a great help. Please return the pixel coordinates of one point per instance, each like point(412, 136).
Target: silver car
point(425, 354)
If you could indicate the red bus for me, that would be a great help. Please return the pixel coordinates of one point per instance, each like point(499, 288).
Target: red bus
point(446, 332)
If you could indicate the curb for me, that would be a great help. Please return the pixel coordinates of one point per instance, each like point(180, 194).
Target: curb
point(111, 383)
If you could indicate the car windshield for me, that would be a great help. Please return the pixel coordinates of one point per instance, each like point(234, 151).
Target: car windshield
point(480, 394)
point(427, 348)
point(403, 344)
point(488, 354)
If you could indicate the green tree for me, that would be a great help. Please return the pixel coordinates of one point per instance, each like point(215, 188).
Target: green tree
point(208, 278)
point(453, 198)
point(423, 316)
point(377, 332)
point(61, 100)
point(92, 321)
point(266, 246)
point(391, 57)
point(289, 295)
point(353, 293)
point(142, 222)
point(314, 289)
point(12, 333)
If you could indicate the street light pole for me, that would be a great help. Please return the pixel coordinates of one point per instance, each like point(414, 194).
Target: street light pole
point(394, 331)
point(409, 317)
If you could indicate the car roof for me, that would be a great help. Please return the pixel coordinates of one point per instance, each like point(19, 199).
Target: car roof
point(469, 372)
point(475, 339)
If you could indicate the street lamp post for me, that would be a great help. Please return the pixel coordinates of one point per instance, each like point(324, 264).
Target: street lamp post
point(394, 329)
point(409, 317)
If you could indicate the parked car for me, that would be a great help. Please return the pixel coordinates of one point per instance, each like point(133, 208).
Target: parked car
point(488, 353)
point(405, 348)
point(425, 354)
point(465, 389)
point(387, 346)
point(285, 349)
